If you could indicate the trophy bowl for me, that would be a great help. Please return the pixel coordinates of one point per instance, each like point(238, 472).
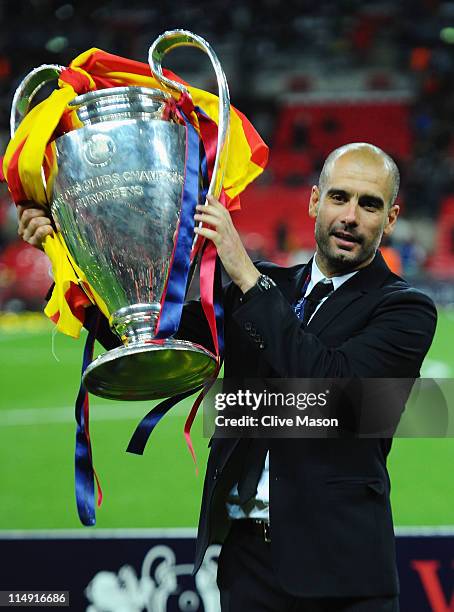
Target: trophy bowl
point(149, 371)
point(117, 199)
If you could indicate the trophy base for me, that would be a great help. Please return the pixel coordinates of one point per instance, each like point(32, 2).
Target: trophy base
point(149, 370)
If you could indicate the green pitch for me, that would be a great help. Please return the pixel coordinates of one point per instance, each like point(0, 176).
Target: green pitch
point(40, 375)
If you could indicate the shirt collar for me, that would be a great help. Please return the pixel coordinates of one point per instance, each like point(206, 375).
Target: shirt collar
point(317, 276)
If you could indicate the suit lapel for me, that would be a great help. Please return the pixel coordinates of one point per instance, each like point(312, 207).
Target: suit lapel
point(343, 297)
point(361, 283)
point(292, 284)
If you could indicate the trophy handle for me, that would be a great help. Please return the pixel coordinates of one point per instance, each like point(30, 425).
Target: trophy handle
point(179, 38)
point(28, 89)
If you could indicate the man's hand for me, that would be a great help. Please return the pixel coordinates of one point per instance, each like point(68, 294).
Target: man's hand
point(231, 251)
point(34, 224)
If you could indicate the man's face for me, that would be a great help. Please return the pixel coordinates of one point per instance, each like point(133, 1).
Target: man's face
point(352, 213)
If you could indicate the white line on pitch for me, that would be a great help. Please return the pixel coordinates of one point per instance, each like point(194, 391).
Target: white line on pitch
point(65, 414)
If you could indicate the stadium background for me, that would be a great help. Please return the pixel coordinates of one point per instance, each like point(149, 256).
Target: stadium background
point(310, 78)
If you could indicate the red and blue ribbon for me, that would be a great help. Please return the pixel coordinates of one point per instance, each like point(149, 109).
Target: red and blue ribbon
point(175, 290)
point(85, 474)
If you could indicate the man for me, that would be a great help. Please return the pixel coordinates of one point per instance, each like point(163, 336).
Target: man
point(314, 533)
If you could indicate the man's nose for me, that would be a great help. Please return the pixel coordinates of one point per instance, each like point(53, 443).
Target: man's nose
point(350, 213)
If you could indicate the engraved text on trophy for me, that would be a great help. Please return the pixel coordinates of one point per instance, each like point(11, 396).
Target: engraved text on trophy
point(120, 212)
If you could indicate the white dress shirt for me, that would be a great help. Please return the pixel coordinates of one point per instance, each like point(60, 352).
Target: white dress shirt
point(260, 506)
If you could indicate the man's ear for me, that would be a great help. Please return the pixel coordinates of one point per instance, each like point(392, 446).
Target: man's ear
point(314, 201)
point(393, 213)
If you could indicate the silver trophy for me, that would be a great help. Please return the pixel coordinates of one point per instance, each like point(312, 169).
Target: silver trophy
point(117, 199)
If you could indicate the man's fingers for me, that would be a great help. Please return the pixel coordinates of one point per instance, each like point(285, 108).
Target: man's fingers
point(207, 218)
point(26, 230)
point(206, 233)
point(24, 206)
point(28, 208)
point(211, 214)
point(39, 236)
point(217, 217)
point(27, 214)
point(214, 205)
point(31, 213)
point(36, 232)
point(33, 225)
point(214, 202)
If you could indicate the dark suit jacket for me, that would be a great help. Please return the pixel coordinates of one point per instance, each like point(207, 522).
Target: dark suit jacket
point(331, 524)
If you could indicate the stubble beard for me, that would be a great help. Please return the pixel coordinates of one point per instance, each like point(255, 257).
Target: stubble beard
point(337, 261)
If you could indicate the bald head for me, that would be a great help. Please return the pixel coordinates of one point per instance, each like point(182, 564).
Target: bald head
point(363, 153)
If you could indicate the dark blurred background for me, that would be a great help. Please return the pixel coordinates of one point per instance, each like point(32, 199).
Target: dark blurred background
point(310, 76)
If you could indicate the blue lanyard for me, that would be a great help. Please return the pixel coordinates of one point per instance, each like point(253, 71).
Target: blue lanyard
point(300, 304)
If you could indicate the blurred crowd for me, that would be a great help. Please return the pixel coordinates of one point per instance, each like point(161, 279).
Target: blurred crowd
point(278, 56)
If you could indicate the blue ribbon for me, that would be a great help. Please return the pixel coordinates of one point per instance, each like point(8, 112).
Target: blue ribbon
point(146, 426)
point(84, 475)
point(169, 319)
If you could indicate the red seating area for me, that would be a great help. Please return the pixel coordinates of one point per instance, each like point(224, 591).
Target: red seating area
point(284, 164)
point(265, 207)
point(24, 275)
point(329, 125)
point(441, 263)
